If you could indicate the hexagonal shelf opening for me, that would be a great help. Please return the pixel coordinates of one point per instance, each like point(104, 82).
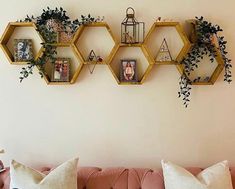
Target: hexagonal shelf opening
point(207, 72)
point(131, 52)
point(170, 51)
point(97, 37)
point(75, 65)
point(20, 30)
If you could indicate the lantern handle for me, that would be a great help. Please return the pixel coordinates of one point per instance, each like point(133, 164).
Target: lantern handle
point(130, 8)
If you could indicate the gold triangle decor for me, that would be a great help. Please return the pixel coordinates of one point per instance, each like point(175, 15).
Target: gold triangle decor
point(92, 58)
point(164, 54)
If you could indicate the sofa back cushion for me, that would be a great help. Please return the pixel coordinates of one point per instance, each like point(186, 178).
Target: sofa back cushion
point(114, 178)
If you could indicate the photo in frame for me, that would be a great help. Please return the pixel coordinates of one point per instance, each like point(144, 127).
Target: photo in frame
point(23, 50)
point(128, 71)
point(61, 70)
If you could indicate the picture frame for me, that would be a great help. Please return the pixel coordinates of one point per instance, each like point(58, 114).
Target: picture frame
point(128, 70)
point(61, 70)
point(23, 50)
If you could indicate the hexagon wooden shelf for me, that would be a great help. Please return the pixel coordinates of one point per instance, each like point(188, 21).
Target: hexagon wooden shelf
point(74, 77)
point(7, 35)
point(214, 75)
point(78, 35)
point(145, 74)
point(220, 62)
point(108, 60)
point(184, 50)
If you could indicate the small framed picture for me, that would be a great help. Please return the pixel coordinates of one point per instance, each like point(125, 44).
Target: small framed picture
point(23, 50)
point(61, 70)
point(128, 71)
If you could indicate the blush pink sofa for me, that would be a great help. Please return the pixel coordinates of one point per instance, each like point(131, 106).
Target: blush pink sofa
point(114, 178)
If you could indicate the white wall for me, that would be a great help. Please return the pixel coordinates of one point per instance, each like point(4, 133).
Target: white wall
point(110, 125)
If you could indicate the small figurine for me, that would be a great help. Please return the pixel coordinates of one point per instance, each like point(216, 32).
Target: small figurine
point(98, 19)
point(99, 59)
point(159, 19)
point(129, 39)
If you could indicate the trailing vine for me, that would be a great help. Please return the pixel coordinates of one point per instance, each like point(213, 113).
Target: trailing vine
point(207, 36)
point(185, 88)
point(207, 43)
point(227, 61)
point(47, 25)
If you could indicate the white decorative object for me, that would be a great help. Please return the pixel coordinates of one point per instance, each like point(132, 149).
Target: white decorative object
point(62, 177)
point(215, 177)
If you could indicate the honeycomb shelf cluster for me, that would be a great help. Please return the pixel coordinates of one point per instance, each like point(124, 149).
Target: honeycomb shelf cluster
point(187, 44)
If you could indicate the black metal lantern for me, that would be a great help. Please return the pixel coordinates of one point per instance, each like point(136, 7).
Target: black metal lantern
point(132, 31)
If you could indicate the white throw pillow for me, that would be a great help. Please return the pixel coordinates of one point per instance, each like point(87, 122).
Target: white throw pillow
point(62, 177)
point(215, 177)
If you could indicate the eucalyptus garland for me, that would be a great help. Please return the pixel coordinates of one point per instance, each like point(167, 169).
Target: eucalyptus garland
point(45, 26)
point(205, 34)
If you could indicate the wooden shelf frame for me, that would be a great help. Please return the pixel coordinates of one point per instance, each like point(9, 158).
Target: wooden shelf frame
point(192, 35)
point(186, 43)
point(79, 33)
point(214, 76)
point(74, 77)
point(7, 35)
point(146, 72)
point(219, 59)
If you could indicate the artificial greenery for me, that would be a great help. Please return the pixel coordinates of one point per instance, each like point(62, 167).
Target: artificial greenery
point(59, 16)
point(185, 88)
point(204, 45)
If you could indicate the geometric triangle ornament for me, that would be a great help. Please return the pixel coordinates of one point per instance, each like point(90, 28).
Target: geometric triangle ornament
point(92, 57)
point(164, 54)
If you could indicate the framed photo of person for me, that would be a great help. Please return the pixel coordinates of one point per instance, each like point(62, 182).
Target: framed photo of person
point(23, 50)
point(61, 70)
point(128, 71)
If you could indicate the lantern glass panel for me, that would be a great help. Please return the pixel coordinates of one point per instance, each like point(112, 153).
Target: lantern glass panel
point(130, 33)
point(141, 32)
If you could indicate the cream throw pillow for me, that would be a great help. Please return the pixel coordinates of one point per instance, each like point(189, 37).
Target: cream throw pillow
point(215, 177)
point(62, 177)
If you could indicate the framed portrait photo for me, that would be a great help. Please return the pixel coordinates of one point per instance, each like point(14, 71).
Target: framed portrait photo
point(23, 50)
point(61, 70)
point(128, 71)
